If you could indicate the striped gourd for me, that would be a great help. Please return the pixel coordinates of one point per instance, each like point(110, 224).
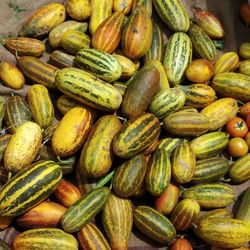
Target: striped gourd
point(16, 112)
point(244, 67)
point(148, 4)
point(45, 214)
point(91, 238)
point(244, 50)
point(215, 213)
point(41, 105)
point(74, 40)
point(163, 82)
point(166, 202)
point(240, 170)
point(210, 169)
point(87, 89)
point(24, 46)
point(226, 63)
point(37, 71)
point(220, 112)
point(4, 141)
point(153, 224)
point(45, 238)
point(61, 59)
point(43, 20)
point(183, 163)
point(173, 13)
point(209, 22)
point(198, 95)
point(103, 9)
point(98, 146)
point(140, 92)
point(128, 66)
point(108, 34)
point(158, 172)
point(123, 6)
point(169, 144)
point(55, 36)
point(65, 103)
point(167, 102)
point(183, 123)
point(214, 195)
point(29, 187)
point(129, 176)
point(99, 63)
point(117, 221)
point(243, 211)
point(188, 109)
point(152, 147)
point(136, 44)
point(23, 147)
point(184, 214)
point(76, 124)
point(233, 85)
point(177, 56)
point(224, 232)
point(78, 9)
point(136, 135)
point(77, 215)
point(202, 43)
point(209, 144)
point(155, 51)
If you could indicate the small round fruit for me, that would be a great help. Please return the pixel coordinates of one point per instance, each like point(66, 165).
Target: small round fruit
point(237, 147)
point(237, 127)
point(200, 71)
point(181, 244)
point(247, 139)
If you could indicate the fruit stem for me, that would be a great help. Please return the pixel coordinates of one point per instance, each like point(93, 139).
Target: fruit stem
point(9, 176)
point(105, 179)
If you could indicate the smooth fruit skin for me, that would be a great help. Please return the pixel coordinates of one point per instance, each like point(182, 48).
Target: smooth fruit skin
point(237, 127)
point(11, 76)
point(45, 214)
point(76, 124)
point(78, 9)
point(237, 147)
point(67, 193)
point(181, 244)
point(168, 199)
point(200, 71)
